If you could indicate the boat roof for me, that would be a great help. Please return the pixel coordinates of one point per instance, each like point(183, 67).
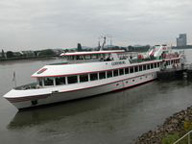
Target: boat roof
point(82, 68)
point(92, 52)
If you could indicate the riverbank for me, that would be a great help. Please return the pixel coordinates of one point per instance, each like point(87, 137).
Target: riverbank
point(173, 128)
point(28, 59)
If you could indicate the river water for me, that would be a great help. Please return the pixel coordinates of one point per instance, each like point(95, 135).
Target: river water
point(113, 118)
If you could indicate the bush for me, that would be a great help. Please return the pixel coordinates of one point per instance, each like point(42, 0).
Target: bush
point(47, 53)
point(171, 138)
point(188, 125)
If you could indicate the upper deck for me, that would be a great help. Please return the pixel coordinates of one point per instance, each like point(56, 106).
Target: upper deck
point(83, 62)
point(93, 56)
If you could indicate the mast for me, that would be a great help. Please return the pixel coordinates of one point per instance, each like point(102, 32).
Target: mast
point(104, 41)
point(99, 45)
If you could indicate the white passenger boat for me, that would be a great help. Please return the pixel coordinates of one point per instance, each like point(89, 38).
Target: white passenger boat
point(92, 73)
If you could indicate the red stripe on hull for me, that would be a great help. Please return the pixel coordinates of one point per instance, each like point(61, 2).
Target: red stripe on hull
point(27, 98)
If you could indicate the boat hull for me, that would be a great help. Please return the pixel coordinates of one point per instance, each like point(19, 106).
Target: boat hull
point(55, 97)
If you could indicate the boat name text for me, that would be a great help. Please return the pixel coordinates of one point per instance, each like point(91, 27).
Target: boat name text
point(118, 63)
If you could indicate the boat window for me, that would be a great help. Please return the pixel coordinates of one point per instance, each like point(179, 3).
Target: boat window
point(60, 80)
point(167, 63)
point(158, 64)
point(155, 65)
point(131, 70)
point(40, 82)
point(116, 73)
point(71, 57)
point(102, 75)
point(87, 57)
point(126, 70)
point(140, 68)
point(144, 67)
point(109, 74)
point(94, 56)
point(121, 71)
point(93, 76)
point(136, 69)
point(152, 66)
point(148, 66)
point(48, 81)
point(83, 78)
point(72, 79)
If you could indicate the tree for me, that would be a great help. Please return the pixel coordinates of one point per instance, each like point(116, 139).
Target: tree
point(3, 54)
point(10, 54)
point(130, 48)
point(47, 53)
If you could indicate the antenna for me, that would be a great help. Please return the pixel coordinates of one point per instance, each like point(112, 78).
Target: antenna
point(14, 79)
point(99, 45)
point(104, 41)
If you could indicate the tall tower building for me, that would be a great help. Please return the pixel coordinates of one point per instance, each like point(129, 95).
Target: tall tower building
point(182, 40)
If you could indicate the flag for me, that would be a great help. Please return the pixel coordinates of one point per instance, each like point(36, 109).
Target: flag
point(13, 76)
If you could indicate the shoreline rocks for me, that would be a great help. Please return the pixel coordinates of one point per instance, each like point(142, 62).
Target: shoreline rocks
point(179, 122)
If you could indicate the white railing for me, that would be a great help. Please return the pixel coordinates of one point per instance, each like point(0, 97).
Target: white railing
point(186, 135)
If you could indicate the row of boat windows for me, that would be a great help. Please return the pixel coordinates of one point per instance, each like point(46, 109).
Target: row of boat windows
point(85, 57)
point(95, 56)
point(49, 81)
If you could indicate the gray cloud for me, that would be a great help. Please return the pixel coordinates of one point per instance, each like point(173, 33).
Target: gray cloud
point(37, 24)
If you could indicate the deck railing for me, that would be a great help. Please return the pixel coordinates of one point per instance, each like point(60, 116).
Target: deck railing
point(187, 136)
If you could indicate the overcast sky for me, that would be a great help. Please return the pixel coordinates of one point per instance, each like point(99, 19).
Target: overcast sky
point(40, 24)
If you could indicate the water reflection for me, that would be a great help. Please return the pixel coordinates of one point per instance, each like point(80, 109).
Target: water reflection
point(48, 113)
point(59, 111)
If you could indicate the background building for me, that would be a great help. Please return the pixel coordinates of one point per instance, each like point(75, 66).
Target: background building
point(182, 40)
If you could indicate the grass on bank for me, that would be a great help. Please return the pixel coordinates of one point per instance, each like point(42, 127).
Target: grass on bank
point(171, 138)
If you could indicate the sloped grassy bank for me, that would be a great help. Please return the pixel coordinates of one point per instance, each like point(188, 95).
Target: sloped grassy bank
point(173, 128)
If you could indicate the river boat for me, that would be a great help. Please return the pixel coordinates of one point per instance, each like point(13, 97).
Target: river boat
point(92, 73)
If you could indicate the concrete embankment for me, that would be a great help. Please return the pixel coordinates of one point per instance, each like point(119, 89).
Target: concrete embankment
point(177, 123)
